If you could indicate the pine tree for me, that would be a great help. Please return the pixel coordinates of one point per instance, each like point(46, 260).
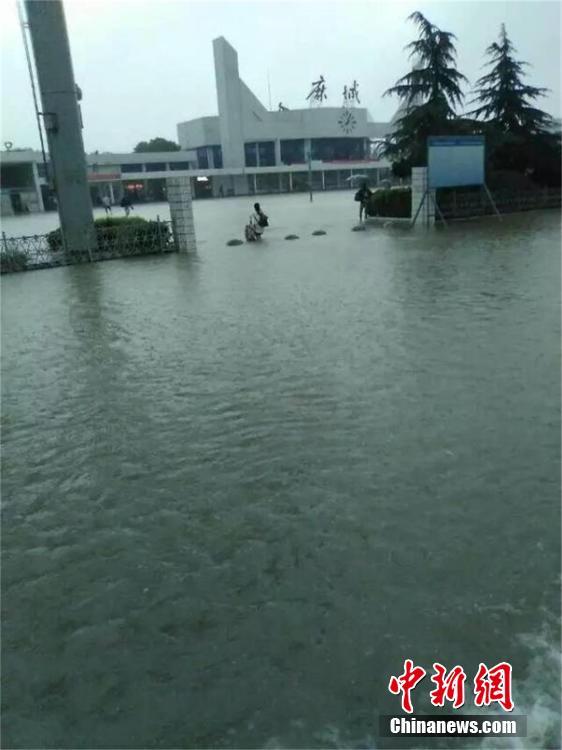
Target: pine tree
point(428, 95)
point(519, 136)
point(503, 96)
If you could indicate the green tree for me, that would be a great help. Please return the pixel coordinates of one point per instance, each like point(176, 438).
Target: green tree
point(519, 136)
point(156, 144)
point(429, 95)
point(504, 97)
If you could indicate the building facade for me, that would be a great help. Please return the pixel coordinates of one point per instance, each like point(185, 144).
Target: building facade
point(245, 149)
point(24, 184)
point(245, 134)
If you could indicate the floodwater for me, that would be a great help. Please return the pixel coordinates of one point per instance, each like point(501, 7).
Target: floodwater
point(241, 488)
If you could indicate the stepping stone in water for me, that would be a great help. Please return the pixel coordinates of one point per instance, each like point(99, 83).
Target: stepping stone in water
point(292, 237)
point(234, 242)
point(318, 232)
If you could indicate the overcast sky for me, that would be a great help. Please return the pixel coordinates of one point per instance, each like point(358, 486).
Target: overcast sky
point(145, 65)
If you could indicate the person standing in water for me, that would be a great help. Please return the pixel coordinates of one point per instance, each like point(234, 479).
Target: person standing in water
point(362, 196)
point(126, 203)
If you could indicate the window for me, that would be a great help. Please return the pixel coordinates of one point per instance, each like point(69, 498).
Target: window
point(202, 158)
point(156, 166)
point(16, 175)
point(260, 154)
point(217, 157)
point(338, 149)
point(250, 153)
point(179, 165)
point(41, 169)
point(292, 151)
point(131, 167)
point(266, 154)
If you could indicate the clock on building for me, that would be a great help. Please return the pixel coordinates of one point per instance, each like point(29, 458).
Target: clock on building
point(347, 121)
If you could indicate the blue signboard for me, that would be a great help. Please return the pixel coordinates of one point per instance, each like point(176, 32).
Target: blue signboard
point(455, 160)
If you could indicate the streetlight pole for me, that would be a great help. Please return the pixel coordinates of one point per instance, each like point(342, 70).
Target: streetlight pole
point(62, 121)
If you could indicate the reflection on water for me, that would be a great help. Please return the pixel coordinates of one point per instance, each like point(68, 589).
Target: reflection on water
point(240, 489)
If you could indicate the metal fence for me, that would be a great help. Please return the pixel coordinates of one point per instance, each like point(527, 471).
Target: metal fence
point(457, 204)
point(121, 239)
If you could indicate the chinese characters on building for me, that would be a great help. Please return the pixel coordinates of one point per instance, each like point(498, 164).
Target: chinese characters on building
point(351, 95)
point(347, 121)
point(318, 91)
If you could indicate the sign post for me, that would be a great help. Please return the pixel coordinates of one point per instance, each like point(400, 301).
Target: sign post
point(454, 161)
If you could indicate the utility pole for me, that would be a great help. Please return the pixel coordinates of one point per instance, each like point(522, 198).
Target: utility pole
point(62, 121)
point(310, 171)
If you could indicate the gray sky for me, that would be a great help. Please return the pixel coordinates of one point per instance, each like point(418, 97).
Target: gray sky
point(145, 65)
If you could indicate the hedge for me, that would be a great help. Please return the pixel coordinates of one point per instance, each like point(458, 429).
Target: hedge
point(13, 261)
point(394, 203)
point(112, 232)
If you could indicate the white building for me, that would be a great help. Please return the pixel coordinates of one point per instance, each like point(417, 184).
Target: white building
point(246, 136)
point(24, 184)
point(245, 149)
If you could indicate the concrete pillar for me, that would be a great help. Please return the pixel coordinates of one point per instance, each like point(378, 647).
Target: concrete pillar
point(419, 187)
point(277, 151)
point(178, 190)
point(111, 194)
point(323, 180)
point(290, 182)
point(62, 121)
point(37, 187)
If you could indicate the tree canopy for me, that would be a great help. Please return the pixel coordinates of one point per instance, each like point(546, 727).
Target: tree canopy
point(503, 96)
point(156, 144)
point(429, 95)
point(519, 135)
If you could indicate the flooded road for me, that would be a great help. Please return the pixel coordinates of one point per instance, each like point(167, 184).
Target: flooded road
point(241, 488)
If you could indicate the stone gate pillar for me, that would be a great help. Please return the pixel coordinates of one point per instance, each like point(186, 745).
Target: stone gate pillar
point(426, 216)
point(181, 212)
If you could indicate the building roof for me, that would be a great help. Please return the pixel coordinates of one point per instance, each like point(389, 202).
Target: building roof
point(20, 156)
